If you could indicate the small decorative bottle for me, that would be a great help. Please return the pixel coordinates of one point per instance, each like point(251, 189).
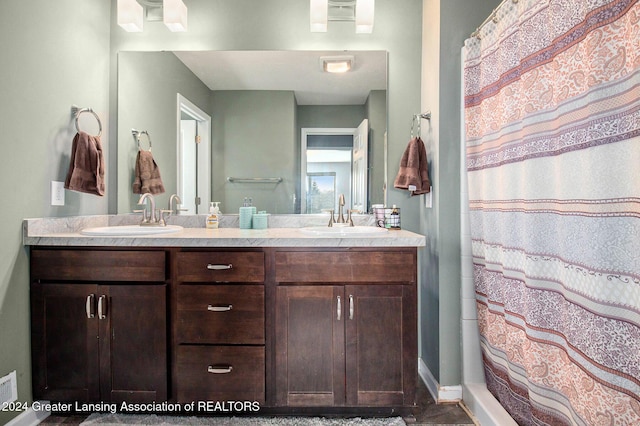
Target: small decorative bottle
point(213, 218)
point(394, 221)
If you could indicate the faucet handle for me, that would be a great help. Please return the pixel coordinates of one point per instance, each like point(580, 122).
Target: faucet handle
point(349, 219)
point(164, 216)
point(143, 212)
point(331, 220)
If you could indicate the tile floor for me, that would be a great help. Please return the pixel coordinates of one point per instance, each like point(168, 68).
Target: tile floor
point(427, 412)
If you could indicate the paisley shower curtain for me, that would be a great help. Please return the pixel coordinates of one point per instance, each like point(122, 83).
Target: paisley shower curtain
point(552, 123)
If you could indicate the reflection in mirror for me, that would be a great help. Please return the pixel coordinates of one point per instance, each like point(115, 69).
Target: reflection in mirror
point(194, 164)
point(333, 163)
point(258, 103)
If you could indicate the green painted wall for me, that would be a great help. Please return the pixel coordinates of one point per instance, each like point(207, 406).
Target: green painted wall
point(148, 84)
point(376, 111)
point(447, 23)
point(54, 55)
point(253, 135)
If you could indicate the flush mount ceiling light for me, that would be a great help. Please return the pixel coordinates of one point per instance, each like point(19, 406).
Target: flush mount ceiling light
point(172, 12)
point(336, 64)
point(130, 15)
point(323, 11)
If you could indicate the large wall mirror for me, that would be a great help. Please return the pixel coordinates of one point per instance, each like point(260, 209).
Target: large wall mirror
point(270, 126)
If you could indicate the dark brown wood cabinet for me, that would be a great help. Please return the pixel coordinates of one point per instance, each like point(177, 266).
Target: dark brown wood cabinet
point(297, 330)
point(381, 361)
point(66, 365)
point(310, 346)
point(219, 326)
point(345, 329)
point(98, 336)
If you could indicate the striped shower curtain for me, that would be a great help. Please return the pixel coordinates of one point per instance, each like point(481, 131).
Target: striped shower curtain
point(552, 118)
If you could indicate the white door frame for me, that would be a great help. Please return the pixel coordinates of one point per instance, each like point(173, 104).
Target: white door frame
point(312, 131)
point(204, 150)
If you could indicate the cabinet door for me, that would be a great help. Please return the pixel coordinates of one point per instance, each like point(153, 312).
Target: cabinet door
point(381, 352)
point(133, 344)
point(65, 342)
point(309, 346)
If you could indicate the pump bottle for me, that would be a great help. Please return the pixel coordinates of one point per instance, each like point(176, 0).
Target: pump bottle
point(213, 218)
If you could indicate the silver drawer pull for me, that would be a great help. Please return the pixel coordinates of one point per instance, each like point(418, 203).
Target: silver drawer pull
point(219, 308)
point(339, 309)
point(218, 369)
point(350, 306)
point(102, 307)
point(89, 306)
point(213, 267)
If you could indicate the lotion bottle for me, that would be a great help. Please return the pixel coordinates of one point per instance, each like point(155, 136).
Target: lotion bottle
point(213, 217)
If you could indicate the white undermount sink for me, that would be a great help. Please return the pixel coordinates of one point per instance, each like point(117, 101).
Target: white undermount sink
point(129, 230)
point(343, 231)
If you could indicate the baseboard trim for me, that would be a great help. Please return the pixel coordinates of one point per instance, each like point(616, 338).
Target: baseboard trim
point(29, 417)
point(485, 407)
point(440, 394)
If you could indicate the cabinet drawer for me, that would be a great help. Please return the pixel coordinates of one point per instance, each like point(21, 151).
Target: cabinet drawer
point(220, 267)
point(98, 265)
point(352, 266)
point(222, 314)
point(220, 373)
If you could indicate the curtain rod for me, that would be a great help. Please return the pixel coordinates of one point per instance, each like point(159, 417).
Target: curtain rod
point(492, 17)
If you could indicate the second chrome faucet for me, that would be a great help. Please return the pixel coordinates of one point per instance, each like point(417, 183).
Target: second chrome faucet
point(155, 217)
point(341, 220)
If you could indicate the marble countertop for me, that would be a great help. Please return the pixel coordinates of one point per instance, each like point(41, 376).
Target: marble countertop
point(283, 231)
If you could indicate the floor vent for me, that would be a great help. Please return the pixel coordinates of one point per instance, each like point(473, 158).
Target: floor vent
point(8, 388)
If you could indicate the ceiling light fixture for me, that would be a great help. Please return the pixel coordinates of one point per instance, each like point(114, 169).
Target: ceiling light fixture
point(130, 15)
point(364, 16)
point(318, 15)
point(175, 15)
point(336, 64)
point(323, 11)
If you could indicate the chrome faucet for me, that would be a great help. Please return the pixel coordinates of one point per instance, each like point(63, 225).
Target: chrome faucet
point(152, 219)
point(341, 219)
point(178, 202)
point(340, 207)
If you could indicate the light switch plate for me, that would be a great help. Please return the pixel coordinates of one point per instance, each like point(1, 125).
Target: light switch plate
point(428, 198)
point(57, 193)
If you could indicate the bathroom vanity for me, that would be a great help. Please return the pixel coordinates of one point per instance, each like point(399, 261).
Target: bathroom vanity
point(296, 323)
point(98, 324)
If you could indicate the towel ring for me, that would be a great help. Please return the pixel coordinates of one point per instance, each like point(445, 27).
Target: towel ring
point(144, 132)
point(80, 111)
point(417, 118)
point(413, 125)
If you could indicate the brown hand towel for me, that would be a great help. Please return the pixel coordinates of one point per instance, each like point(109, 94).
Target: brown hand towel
point(86, 168)
point(414, 168)
point(147, 177)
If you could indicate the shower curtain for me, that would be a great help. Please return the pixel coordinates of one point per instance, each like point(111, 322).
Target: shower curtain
point(552, 123)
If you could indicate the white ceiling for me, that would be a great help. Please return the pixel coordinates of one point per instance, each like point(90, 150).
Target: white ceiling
point(298, 71)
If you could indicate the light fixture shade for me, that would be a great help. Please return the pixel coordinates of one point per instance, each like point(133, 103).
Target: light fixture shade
point(318, 15)
point(336, 64)
point(364, 16)
point(175, 15)
point(130, 15)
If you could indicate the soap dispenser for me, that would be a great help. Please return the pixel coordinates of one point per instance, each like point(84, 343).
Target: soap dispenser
point(213, 219)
